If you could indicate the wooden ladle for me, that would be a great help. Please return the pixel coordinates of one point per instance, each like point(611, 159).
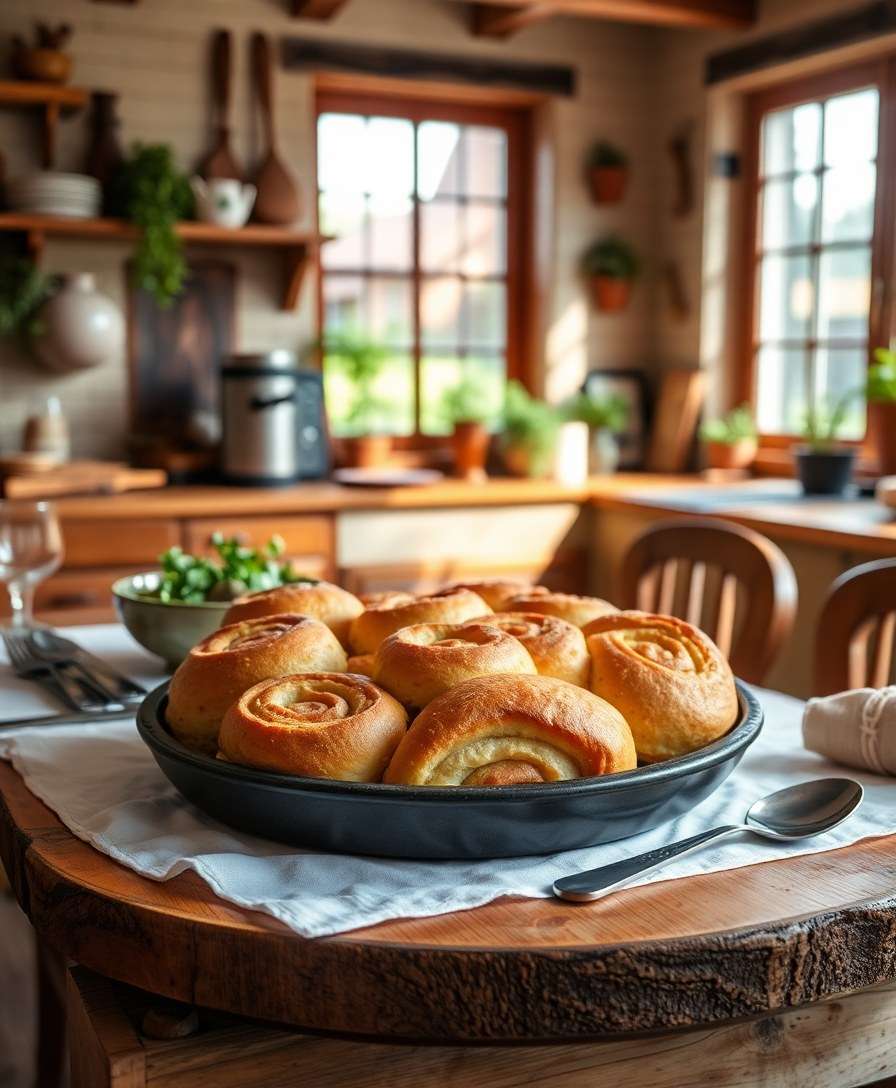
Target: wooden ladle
point(278, 199)
point(220, 161)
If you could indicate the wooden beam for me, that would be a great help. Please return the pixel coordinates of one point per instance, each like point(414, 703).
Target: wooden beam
point(316, 9)
point(687, 13)
point(502, 20)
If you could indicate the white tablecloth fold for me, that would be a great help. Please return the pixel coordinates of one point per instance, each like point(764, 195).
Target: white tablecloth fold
point(105, 786)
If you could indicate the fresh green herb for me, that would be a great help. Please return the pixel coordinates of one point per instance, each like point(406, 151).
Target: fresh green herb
point(880, 387)
point(361, 361)
point(238, 569)
point(601, 413)
point(23, 290)
point(825, 420)
point(612, 257)
point(606, 154)
point(530, 423)
point(469, 401)
point(736, 426)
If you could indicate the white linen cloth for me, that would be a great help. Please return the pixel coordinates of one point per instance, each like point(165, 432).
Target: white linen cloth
point(856, 728)
point(106, 788)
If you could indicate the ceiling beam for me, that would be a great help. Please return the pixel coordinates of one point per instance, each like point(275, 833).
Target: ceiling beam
point(316, 9)
point(489, 19)
point(502, 20)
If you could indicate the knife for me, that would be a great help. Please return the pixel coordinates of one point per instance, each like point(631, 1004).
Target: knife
point(68, 719)
point(48, 644)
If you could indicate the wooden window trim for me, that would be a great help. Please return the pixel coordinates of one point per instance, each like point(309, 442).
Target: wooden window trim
point(515, 113)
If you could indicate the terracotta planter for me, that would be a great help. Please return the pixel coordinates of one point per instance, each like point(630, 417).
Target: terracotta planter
point(610, 294)
point(740, 454)
point(470, 443)
point(523, 460)
point(368, 450)
point(43, 65)
point(882, 432)
point(608, 183)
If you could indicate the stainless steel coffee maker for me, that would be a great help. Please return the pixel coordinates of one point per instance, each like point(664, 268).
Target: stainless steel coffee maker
point(273, 420)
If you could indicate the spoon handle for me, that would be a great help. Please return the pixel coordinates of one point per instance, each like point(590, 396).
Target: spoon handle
point(594, 883)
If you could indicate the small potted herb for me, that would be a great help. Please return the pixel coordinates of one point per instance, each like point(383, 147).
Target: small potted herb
point(23, 291)
point(880, 391)
point(606, 416)
point(607, 173)
point(730, 442)
point(529, 435)
point(368, 444)
point(610, 266)
point(823, 463)
point(467, 406)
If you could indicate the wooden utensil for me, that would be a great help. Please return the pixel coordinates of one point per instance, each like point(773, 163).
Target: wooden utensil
point(278, 199)
point(221, 162)
point(81, 478)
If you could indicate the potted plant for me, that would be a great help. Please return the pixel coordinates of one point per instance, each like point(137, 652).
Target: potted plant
point(368, 444)
point(880, 391)
point(610, 265)
point(730, 442)
point(467, 406)
point(824, 465)
point(606, 416)
point(529, 433)
point(607, 173)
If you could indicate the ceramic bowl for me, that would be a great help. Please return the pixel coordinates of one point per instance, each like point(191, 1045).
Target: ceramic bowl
point(168, 629)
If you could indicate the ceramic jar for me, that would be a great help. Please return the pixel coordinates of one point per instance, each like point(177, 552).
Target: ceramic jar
point(81, 327)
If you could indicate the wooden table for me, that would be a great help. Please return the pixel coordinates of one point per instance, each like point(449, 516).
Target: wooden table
point(706, 953)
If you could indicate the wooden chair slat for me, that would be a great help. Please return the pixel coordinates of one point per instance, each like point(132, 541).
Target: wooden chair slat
point(696, 590)
point(883, 652)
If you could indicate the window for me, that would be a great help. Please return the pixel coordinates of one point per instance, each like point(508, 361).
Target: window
point(423, 203)
point(813, 249)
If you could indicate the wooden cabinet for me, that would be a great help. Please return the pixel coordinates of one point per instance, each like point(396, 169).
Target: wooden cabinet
point(110, 542)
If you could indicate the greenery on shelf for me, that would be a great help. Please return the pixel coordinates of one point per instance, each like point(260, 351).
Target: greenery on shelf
point(608, 412)
point(531, 424)
point(612, 257)
point(361, 361)
point(824, 422)
point(238, 569)
point(152, 193)
point(23, 290)
point(880, 387)
point(468, 401)
point(605, 154)
point(737, 426)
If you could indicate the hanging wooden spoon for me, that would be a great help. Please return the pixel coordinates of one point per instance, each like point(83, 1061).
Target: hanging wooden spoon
point(221, 162)
point(278, 194)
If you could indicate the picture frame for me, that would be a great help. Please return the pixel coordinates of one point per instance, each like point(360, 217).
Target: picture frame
point(631, 384)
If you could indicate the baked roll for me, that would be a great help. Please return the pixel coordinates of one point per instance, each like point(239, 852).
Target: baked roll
point(496, 592)
point(219, 669)
point(319, 724)
point(381, 619)
point(556, 647)
point(512, 730)
point(418, 663)
point(322, 601)
point(361, 664)
point(669, 680)
point(567, 606)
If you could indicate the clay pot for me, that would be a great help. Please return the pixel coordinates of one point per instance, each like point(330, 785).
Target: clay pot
point(882, 433)
point(43, 65)
point(740, 454)
point(81, 327)
point(608, 183)
point(609, 293)
point(470, 442)
point(368, 450)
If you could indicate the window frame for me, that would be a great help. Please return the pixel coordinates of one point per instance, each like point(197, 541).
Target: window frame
point(881, 74)
point(514, 114)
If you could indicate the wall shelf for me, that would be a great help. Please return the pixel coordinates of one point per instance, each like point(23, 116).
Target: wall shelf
point(299, 248)
point(52, 98)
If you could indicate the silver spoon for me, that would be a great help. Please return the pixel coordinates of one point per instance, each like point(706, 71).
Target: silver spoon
point(797, 812)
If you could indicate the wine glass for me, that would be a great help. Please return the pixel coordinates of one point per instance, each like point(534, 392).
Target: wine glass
point(30, 549)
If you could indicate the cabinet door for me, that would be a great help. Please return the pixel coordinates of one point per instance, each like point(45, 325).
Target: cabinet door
point(93, 542)
point(309, 540)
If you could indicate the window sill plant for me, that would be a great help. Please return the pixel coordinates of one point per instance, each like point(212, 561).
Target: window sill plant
point(730, 442)
point(824, 465)
point(529, 437)
point(606, 416)
point(365, 442)
point(880, 391)
point(610, 267)
point(607, 173)
point(466, 405)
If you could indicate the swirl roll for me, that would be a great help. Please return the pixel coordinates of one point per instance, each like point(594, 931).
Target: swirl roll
point(222, 666)
point(668, 678)
point(512, 730)
point(382, 618)
point(322, 601)
point(566, 606)
point(418, 663)
point(496, 592)
point(320, 725)
point(556, 647)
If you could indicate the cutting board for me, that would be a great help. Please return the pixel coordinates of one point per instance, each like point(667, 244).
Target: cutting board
point(82, 478)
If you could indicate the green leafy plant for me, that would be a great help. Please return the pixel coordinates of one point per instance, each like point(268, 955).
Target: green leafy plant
point(531, 424)
point(602, 413)
point(732, 428)
point(361, 361)
point(604, 153)
point(23, 290)
point(612, 257)
point(468, 401)
point(238, 569)
point(152, 193)
point(825, 420)
point(880, 387)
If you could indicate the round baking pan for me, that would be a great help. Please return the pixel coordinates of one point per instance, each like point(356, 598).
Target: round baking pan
point(456, 822)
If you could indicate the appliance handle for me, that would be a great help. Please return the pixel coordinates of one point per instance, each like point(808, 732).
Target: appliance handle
point(258, 404)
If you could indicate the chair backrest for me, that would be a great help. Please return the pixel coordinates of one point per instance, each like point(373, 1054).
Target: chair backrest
point(854, 639)
point(732, 582)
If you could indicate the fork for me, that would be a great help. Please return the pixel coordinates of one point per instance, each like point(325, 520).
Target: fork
point(62, 659)
point(29, 667)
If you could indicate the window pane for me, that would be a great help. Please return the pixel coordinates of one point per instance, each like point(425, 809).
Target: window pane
point(485, 159)
point(441, 299)
point(781, 381)
point(848, 203)
point(391, 232)
point(485, 317)
point(850, 128)
point(339, 137)
point(791, 139)
point(342, 215)
point(838, 373)
point(485, 246)
point(440, 373)
point(844, 294)
point(786, 298)
point(390, 409)
point(385, 162)
point(389, 318)
point(343, 303)
point(441, 244)
point(438, 159)
point(788, 211)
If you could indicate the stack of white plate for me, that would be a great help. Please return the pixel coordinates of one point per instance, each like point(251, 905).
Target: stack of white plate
point(53, 193)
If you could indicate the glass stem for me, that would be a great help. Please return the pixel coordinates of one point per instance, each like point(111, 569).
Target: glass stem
point(21, 597)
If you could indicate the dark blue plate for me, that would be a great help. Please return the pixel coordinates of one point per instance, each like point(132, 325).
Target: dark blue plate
point(445, 822)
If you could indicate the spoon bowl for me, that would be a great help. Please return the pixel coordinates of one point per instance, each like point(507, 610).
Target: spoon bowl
point(804, 810)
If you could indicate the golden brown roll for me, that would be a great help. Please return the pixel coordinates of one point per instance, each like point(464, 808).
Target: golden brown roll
point(669, 680)
point(496, 592)
point(221, 667)
point(362, 664)
point(380, 620)
point(318, 724)
point(322, 601)
point(418, 663)
point(512, 730)
point(556, 647)
point(568, 606)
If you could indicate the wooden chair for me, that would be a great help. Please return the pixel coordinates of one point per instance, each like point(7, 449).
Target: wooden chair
point(854, 639)
point(736, 585)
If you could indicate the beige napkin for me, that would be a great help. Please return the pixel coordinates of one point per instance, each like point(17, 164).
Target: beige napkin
point(856, 728)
